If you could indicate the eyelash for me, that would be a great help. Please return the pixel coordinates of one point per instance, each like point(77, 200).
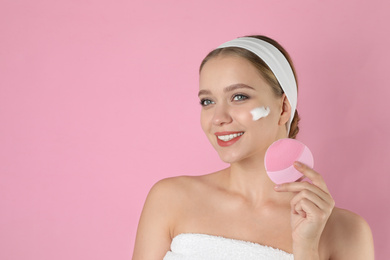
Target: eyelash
point(243, 97)
point(202, 102)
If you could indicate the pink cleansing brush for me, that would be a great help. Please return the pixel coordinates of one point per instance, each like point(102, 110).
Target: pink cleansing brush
point(280, 157)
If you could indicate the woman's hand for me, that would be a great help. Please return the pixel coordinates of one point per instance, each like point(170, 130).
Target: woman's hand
point(310, 210)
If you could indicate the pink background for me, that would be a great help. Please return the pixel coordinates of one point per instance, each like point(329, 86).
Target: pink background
point(98, 102)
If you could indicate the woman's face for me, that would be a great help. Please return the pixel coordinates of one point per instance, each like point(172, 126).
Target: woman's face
point(230, 87)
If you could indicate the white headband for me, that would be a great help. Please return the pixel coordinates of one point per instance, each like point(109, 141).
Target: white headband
point(276, 62)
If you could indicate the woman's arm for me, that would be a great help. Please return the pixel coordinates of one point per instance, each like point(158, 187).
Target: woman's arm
point(153, 235)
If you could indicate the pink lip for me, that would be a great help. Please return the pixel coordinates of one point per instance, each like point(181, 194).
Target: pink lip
point(228, 143)
point(227, 133)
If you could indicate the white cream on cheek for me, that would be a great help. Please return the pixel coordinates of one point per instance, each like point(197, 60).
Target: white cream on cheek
point(259, 112)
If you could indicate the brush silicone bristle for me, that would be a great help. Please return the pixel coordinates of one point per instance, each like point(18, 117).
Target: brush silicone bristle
point(280, 157)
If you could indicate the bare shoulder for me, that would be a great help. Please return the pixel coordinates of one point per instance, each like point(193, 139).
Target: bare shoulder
point(171, 188)
point(160, 214)
point(181, 185)
point(349, 236)
point(172, 194)
point(167, 193)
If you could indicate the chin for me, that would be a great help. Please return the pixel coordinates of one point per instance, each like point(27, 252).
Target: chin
point(227, 160)
point(242, 152)
point(230, 158)
point(234, 157)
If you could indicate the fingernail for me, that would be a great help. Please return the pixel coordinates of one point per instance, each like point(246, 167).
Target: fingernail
point(277, 187)
point(298, 164)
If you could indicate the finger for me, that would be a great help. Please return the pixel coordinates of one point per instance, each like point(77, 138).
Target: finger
point(312, 175)
point(300, 186)
point(307, 191)
point(314, 198)
point(301, 179)
point(297, 209)
point(312, 211)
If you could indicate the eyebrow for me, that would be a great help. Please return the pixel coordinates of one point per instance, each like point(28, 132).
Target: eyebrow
point(227, 89)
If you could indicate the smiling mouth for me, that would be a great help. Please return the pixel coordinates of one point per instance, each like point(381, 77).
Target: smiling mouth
point(229, 137)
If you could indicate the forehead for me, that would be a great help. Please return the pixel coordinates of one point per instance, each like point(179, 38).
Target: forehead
point(225, 70)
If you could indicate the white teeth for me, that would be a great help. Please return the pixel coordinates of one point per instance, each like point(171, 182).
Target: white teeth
point(226, 138)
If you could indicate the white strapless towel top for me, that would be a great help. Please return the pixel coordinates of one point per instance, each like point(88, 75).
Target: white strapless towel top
point(190, 246)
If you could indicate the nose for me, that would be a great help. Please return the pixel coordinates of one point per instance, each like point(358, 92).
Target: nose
point(221, 115)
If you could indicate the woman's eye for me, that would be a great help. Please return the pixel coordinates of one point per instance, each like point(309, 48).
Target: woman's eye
point(239, 97)
point(206, 102)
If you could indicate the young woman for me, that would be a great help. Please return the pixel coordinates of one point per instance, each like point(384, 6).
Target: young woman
point(238, 212)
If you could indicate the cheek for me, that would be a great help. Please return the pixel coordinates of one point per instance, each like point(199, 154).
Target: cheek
point(263, 124)
point(205, 120)
point(244, 115)
point(260, 112)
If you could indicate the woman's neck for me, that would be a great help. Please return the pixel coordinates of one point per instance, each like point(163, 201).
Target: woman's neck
point(249, 179)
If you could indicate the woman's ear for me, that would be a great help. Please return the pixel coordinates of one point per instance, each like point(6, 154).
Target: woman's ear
point(285, 111)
